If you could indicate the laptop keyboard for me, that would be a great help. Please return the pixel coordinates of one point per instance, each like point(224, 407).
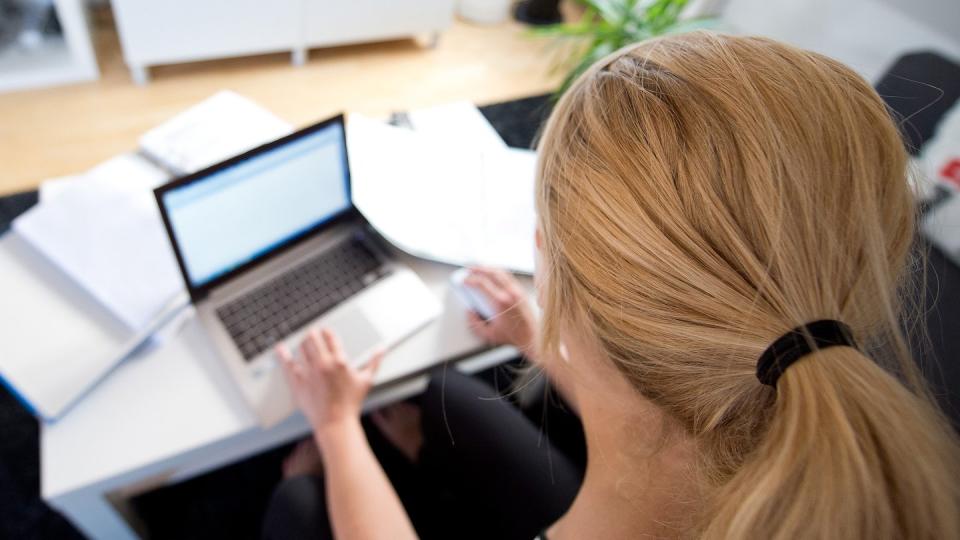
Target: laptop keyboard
point(283, 305)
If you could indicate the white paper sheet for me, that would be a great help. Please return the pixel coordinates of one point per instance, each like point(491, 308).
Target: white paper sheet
point(52, 187)
point(509, 215)
point(104, 231)
point(460, 123)
point(441, 201)
point(217, 128)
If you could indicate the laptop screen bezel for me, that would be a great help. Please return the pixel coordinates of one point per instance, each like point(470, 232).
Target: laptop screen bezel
point(350, 212)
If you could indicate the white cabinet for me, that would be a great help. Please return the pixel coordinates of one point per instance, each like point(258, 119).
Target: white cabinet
point(156, 32)
point(336, 22)
point(60, 59)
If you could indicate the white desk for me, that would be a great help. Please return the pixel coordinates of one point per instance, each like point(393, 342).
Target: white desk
point(171, 413)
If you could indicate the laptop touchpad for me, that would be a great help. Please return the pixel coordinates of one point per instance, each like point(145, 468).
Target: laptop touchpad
point(357, 334)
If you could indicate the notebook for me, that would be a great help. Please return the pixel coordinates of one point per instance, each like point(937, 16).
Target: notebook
point(219, 127)
point(101, 230)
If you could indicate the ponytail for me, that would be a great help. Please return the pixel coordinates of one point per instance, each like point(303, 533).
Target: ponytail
point(698, 196)
point(849, 453)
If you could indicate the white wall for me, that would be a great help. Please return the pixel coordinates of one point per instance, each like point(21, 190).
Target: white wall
point(867, 35)
point(941, 15)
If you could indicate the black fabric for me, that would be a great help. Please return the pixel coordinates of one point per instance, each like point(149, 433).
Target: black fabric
point(519, 121)
point(12, 206)
point(23, 514)
point(538, 12)
point(510, 481)
point(226, 503)
point(799, 342)
point(919, 88)
point(936, 339)
point(485, 471)
point(296, 510)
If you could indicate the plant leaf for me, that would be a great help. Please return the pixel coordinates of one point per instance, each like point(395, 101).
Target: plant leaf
point(610, 10)
point(608, 25)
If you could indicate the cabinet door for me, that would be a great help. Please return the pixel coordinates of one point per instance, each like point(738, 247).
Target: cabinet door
point(329, 22)
point(168, 31)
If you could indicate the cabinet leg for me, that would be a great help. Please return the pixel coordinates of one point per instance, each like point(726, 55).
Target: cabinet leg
point(431, 40)
point(140, 74)
point(298, 57)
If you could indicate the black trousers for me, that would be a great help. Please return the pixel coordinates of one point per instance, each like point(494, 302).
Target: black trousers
point(486, 469)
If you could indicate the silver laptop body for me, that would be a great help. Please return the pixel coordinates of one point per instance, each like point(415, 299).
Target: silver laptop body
point(271, 246)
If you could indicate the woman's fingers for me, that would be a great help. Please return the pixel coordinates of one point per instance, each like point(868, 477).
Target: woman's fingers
point(327, 358)
point(315, 351)
point(478, 326)
point(286, 363)
point(495, 294)
point(369, 371)
point(335, 348)
point(283, 353)
point(308, 350)
point(501, 278)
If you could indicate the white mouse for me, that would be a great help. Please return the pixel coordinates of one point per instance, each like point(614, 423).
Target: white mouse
point(472, 298)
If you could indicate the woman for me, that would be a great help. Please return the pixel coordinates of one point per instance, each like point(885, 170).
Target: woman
point(724, 226)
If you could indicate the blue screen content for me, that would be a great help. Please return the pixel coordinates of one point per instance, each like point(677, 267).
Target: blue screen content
point(240, 213)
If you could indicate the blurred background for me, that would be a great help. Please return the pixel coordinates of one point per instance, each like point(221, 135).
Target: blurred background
point(81, 80)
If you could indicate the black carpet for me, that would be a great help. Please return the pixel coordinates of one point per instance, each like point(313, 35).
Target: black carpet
point(229, 502)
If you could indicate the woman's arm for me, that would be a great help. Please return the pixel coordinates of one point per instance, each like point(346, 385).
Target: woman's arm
point(360, 500)
point(514, 324)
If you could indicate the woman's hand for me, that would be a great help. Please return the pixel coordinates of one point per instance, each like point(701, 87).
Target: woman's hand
point(330, 393)
point(514, 322)
point(325, 387)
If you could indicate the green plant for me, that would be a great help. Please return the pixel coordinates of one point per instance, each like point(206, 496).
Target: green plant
point(607, 25)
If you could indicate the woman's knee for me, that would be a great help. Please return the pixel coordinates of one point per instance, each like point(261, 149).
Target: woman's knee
point(297, 509)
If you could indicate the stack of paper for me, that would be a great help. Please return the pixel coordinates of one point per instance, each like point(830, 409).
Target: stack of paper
point(459, 122)
point(441, 200)
point(103, 231)
point(217, 128)
point(103, 228)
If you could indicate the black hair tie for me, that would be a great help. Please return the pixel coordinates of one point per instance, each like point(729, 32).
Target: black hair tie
point(798, 343)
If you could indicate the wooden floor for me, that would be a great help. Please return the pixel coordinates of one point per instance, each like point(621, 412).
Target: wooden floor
point(64, 130)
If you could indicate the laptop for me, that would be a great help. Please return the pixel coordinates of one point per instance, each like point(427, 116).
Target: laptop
point(270, 245)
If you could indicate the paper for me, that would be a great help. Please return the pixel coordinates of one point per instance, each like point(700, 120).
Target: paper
point(52, 187)
point(55, 339)
point(509, 215)
point(441, 201)
point(220, 127)
point(104, 231)
point(460, 122)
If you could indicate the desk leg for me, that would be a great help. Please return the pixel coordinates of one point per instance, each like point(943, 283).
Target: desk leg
point(140, 75)
point(93, 514)
point(428, 40)
point(299, 56)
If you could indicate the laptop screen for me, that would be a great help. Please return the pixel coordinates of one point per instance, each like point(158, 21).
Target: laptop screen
point(239, 212)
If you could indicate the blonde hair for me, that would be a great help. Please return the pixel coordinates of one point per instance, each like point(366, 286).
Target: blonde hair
point(699, 196)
